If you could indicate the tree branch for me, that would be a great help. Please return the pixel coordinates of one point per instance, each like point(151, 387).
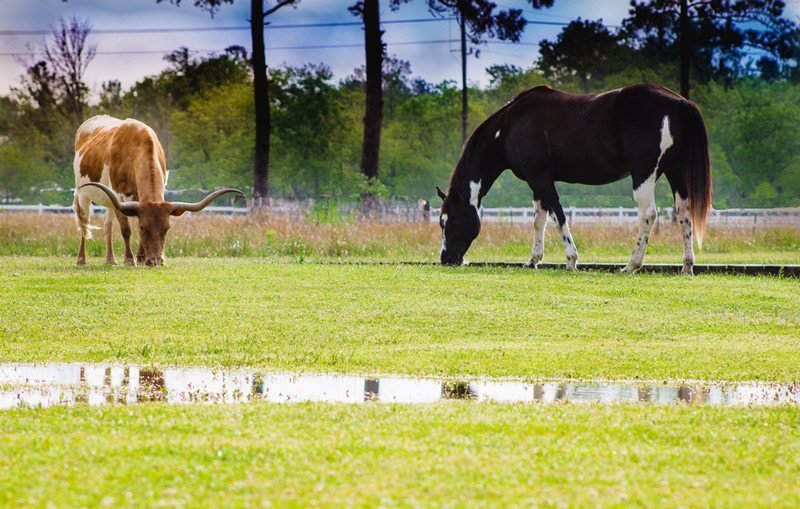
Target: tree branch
point(280, 4)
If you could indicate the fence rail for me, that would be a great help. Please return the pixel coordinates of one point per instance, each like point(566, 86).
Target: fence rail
point(522, 215)
point(622, 215)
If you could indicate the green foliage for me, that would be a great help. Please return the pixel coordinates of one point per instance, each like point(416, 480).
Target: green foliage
point(202, 111)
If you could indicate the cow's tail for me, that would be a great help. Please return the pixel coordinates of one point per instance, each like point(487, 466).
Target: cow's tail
point(696, 168)
point(82, 218)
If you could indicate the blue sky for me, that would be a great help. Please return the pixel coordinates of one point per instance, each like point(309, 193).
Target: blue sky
point(432, 61)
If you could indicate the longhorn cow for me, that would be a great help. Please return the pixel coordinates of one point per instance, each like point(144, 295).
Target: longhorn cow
point(120, 164)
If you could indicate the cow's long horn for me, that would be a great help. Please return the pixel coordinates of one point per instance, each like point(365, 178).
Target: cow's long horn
point(129, 208)
point(179, 208)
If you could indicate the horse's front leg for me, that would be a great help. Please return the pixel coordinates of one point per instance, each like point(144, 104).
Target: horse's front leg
point(550, 203)
point(539, 226)
point(646, 202)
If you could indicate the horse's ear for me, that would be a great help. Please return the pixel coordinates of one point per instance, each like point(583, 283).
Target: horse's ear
point(440, 193)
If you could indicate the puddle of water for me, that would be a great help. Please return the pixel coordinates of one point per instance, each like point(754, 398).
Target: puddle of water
point(51, 384)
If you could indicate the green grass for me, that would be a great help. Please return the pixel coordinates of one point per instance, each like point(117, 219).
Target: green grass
point(444, 455)
point(209, 235)
point(402, 319)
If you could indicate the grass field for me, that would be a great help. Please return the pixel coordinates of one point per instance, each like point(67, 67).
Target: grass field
point(402, 319)
point(218, 236)
point(444, 455)
point(255, 304)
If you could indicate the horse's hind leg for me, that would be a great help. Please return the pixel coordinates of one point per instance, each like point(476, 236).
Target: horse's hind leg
point(547, 197)
point(680, 191)
point(645, 198)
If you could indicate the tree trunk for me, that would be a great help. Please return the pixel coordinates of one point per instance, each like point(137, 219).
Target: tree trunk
point(463, 80)
point(373, 116)
point(685, 48)
point(261, 99)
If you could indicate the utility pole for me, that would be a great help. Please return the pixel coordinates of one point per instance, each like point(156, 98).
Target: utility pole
point(685, 48)
point(464, 78)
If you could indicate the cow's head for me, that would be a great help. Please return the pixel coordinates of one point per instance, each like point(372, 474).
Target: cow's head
point(154, 218)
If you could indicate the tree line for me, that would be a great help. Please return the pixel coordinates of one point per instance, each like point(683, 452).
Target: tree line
point(742, 72)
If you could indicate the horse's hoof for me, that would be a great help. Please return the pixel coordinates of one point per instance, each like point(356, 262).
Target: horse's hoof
point(130, 262)
point(531, 264)
point(81, 261)
point(572, 264)
point(111, 261)
point(629, 269)
point(687, 271)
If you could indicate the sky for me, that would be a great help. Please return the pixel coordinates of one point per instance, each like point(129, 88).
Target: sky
point(427, 45)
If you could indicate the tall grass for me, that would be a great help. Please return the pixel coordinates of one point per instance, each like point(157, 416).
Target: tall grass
point(208, 235)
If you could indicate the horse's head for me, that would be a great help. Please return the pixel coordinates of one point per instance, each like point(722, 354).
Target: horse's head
point(460, 225)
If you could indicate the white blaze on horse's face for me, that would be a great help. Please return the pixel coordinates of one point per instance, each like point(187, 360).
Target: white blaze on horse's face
point(460, 223)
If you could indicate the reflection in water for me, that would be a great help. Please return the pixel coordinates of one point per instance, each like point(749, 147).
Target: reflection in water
point(44, 385)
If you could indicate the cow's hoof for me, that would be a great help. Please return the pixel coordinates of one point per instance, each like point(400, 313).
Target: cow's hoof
point(630, 269)
point(81, 261)
point(130, 262)
point(687, 270)
point(111, 261)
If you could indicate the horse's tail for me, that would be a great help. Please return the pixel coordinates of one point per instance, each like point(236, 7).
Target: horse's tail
point(696, 167)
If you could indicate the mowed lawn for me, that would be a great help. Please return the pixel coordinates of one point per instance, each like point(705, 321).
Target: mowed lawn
point(411, 320)
point(402, 319)
point(456, 454)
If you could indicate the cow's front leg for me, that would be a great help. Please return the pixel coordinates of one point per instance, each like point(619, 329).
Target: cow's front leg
point(140, 253)
point(539, 227)
point(82, 210)
point(125, 230)
point(646, 202)
point(108, 229)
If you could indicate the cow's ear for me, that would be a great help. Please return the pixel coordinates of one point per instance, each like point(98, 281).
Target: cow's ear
point(440, 193)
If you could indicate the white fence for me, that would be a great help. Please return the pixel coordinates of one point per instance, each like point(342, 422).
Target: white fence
point(622, 215)
point(521, 215)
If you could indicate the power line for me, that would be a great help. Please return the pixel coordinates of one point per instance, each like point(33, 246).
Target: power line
point(247, 27)
point(228, 28)
point(271, 48)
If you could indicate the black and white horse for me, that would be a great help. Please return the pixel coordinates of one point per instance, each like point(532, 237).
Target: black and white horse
point(545, 135)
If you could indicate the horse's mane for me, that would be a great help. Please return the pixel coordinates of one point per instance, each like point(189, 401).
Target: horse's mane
point(480, 131)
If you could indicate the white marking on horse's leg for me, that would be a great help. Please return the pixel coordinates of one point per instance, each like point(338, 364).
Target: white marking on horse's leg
point(497, 134)
point(474, 193)
point(539, 226)
point(569, 247)
point(685, 221)
point(646, 201)
point(444, 240)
